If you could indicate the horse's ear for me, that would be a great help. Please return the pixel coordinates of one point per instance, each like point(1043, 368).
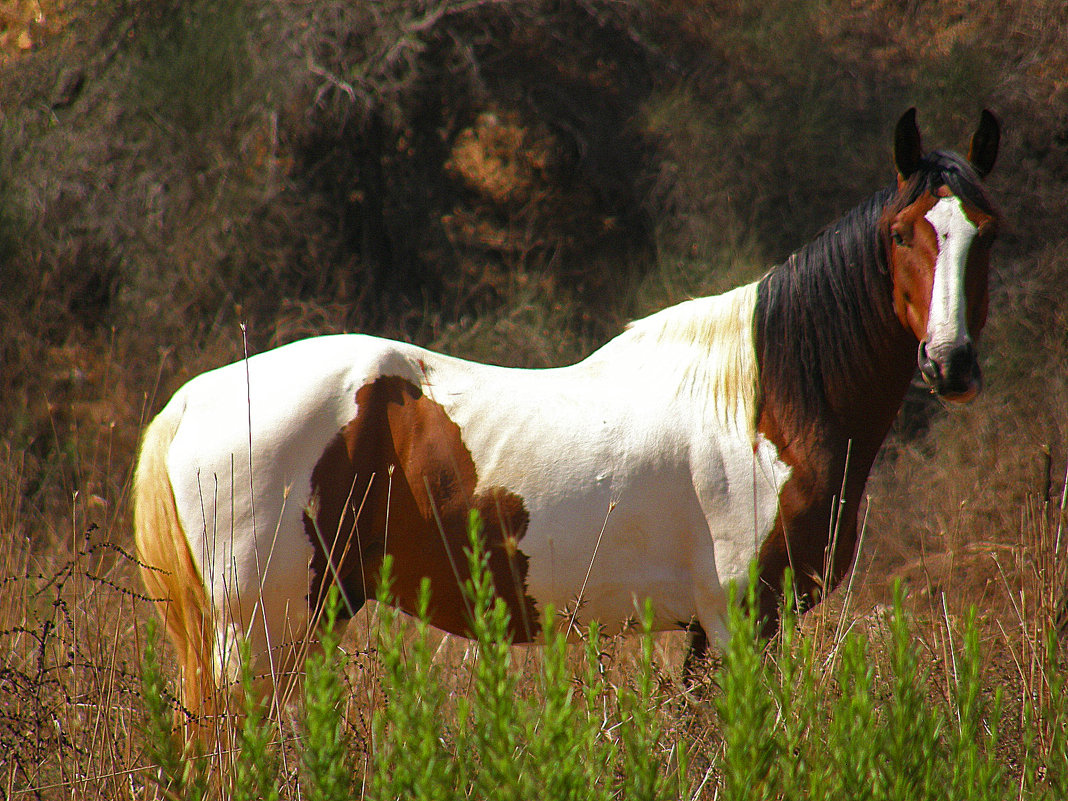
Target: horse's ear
point(908, 149)
point(984, 150)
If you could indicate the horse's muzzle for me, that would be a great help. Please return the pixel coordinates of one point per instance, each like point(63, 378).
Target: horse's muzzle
point(954, 375)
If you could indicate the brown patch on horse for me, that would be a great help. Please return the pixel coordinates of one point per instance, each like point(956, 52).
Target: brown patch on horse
point(798, 539)
point(398, 479)
point(815, 532)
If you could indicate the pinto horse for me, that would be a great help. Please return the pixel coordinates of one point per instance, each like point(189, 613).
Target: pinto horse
point(711, 435)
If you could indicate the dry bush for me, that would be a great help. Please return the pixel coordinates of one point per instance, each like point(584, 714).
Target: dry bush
point(508, 181)
point(70, 705)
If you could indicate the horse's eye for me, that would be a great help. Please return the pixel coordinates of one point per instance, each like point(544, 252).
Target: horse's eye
point(899, 240)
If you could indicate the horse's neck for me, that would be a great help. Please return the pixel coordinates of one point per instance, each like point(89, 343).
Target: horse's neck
point(863, 418)
point(835, 360)
point(830, 460)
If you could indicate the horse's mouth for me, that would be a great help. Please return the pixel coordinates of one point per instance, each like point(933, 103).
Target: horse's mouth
point(960, 396)
point(958, 379)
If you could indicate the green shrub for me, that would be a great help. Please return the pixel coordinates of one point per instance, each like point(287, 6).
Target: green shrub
point(326, 754)
point(793, 729)
point(500, 742)
point(647, 775)
point(195, 66)
point(255, 770)
point(973, 739)
point(410, 758)
point(751, 745)
point(864, 720)
point(178, 772)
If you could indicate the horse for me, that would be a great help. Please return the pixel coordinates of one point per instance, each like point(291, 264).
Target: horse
point(713, 437)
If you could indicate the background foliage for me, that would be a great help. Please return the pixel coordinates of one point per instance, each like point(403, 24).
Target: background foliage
point(508, 181)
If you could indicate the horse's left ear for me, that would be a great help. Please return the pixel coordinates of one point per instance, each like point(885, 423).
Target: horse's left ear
point(908, 150)
point(984, 150)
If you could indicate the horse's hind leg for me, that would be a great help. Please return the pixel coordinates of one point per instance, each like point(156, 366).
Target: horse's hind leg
point(696, 653)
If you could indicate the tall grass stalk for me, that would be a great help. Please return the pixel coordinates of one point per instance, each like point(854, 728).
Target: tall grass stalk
point(751, 750)
point(256, 766)
point(326, 756)
point(851, 758)
point(646, 775)
point(974, 766)
point(596, 748)
point(410, 757)
point(1046, 770)
point(794, 693)
point(179, 772)
point(913, 725)
point(564, 746)
point(496, 717)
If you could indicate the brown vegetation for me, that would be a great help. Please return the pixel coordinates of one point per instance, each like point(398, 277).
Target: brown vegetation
point(508, 181)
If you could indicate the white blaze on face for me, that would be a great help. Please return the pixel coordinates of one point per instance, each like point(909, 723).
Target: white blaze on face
point(947, 322)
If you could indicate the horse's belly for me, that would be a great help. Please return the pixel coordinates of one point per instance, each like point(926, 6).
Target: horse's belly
point(612, 519)
point(604, 563)
point(676, 531)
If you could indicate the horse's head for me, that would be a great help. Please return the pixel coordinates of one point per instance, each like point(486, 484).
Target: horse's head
point(938, 231)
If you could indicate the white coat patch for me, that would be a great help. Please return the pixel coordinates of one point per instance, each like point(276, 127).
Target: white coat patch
point(646, 452)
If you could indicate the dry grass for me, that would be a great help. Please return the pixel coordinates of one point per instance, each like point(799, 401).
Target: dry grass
point(506, 182)
point(71, 631)
point(69, 683)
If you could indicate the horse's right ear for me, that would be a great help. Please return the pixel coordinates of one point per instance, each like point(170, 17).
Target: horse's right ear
point(908, 150)
point(984, 150)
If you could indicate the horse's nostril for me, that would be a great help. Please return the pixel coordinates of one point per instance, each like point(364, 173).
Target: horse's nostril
point(953, 374)
point(929, 368)
point(962, 359)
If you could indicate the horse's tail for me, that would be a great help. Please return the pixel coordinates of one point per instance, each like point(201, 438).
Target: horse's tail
point(170, 576)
